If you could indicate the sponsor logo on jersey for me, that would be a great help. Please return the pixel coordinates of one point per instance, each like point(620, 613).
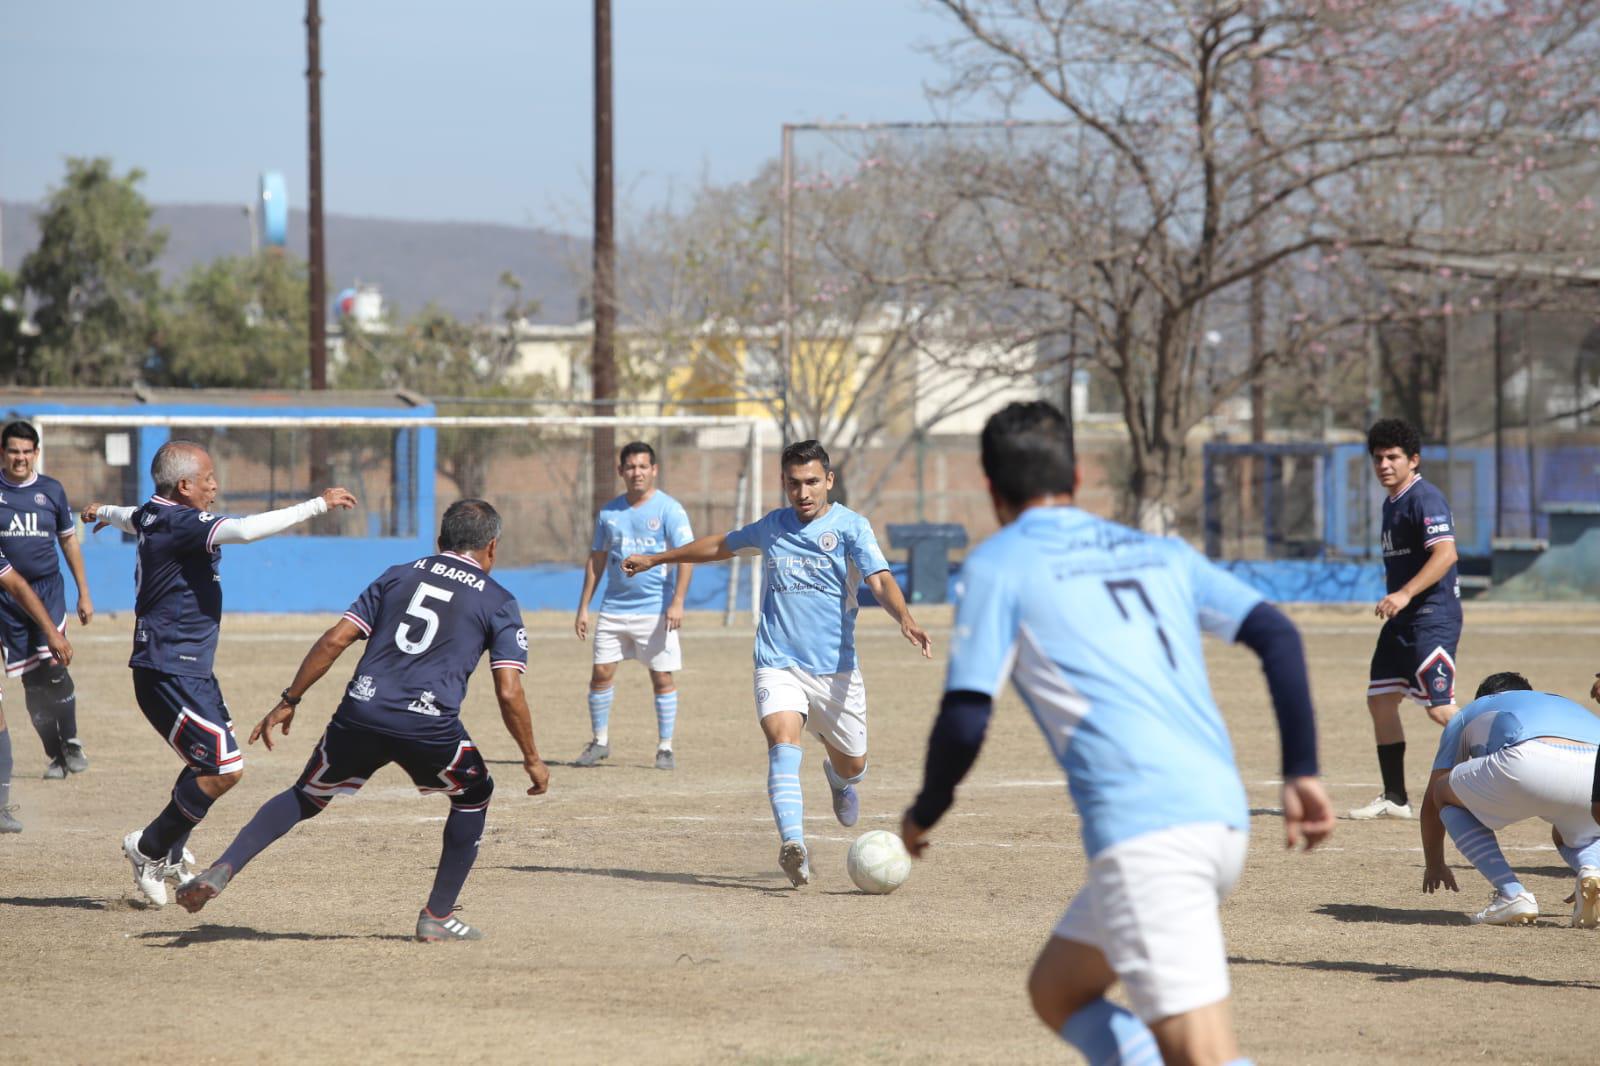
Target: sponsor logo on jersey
point(522, 639)
point(423, 704)
point(23, 525)
point(1442, 527)
point(149, 516)
point(828, 541)
point(363, 688)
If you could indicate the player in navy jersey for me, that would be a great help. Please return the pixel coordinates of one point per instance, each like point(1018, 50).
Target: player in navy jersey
point(639, 618)
point(427, 623)
point(17, 589)
point(35, 518)
point(816, 553)
point(177, 617)
point(1098, 628)
point(1416, 652)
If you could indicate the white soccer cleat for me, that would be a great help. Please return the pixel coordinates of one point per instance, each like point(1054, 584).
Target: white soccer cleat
point(1586, 900)
point(1382, 807)
point(795, 862)
point(1520, 909)
point(149, 875)
point(185, 869)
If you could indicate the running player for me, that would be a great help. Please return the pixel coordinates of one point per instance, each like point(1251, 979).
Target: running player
point(807, 677)
point(638, 619)
point(177, 618)
point(1513, 754)
point(429, 622)
point(1416, 648)
point(21, 593)
point(35, 517)
point(1098, 627)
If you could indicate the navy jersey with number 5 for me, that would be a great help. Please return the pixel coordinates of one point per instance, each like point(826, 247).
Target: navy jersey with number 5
point(1415, 520)
point(178, 604)
point(427, 623)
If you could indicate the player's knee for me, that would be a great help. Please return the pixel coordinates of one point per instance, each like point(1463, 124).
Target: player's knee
point(1047, 999)
point(475, 794)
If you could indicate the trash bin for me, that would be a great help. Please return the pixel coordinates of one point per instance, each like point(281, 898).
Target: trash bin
point(927, 546)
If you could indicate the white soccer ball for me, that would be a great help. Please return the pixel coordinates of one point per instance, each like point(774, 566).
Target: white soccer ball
point(878, 862)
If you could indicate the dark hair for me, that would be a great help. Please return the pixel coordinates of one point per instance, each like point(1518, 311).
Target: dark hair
point(21, 429)
point(1027, 452)
point(636, 447)
point(802, 452)
point(468, 525)
point(1505, 681)
point(1394, 433)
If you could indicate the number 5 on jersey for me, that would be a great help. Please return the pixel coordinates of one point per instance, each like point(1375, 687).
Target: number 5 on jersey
point(419, 609)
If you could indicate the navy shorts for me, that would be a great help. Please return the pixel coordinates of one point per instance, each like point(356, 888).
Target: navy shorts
point(20, 636)
point(348, 754)
point(189, 712)
point(1416, 657)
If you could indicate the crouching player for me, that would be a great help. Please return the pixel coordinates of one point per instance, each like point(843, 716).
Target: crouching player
point(1098, 626)
point(427, 624)
point(1509, 755)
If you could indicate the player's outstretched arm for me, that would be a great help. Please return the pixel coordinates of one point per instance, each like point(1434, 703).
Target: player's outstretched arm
point(519, 723)
point(318, 661)
point(1307, 813)
point(953, 747)
point(1435, 872)
point(591, 581)
point(887, 591)
point(249, 528)
point(19, 589)
point(102, 515)
point(710, 549)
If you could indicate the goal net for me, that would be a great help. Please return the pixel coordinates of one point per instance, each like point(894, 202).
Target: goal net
point(537, 471)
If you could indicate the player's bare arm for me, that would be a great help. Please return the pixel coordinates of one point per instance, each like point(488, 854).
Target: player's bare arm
point(679, 595)
point(1441, 557)
point(887, 591)
point(591, 582)
point(318, 661)
point(74, 553)
point(710, 549)
point(1594, 691)
point(1436, 873)
point(20, 591)
point(518, 720)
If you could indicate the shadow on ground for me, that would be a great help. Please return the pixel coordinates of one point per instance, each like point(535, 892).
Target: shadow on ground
point(1363, 912)
point(1391, 973)
point(660, 877)
point(78, 903)
point(218, 934)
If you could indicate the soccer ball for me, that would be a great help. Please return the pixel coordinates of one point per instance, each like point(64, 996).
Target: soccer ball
point(878, 862)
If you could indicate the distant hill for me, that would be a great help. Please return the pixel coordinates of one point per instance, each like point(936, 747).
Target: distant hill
point(456, 265)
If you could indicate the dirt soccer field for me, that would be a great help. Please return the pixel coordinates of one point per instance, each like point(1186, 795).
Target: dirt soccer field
point(635, 915)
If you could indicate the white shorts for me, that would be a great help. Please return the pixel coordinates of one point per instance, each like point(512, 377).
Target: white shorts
point(835, 705)
point(1151, 908)
point(637, 636)
point(1532, 779)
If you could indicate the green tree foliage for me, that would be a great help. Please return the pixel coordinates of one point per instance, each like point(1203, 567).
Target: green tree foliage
point(237, 323)
point(91, 283)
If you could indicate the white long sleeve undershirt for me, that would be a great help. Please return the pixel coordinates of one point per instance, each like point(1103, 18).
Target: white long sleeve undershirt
point(233, 530)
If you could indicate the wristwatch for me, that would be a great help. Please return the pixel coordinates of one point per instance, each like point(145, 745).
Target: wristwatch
point(293, 701)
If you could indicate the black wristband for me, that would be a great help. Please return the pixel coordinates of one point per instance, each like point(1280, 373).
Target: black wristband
point(293, 701)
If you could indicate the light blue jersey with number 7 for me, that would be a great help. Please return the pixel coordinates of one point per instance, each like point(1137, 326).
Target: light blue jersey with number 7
point(1098, 626)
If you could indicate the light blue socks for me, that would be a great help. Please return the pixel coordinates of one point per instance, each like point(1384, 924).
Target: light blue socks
point(600, 713)
point(783, 789)
point(666, 717)
point(1109, 1035)
point(1479, 847)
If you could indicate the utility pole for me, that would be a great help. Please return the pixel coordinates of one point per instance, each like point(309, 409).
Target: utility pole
point(603, 357)
point(319, 286)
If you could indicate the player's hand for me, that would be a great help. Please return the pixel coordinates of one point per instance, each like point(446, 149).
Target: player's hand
point(915, 634)
point(282, 714)
point(914, 836)
point(674, 616)
point(60, 649)
point(1438, 875)
point(85, 609)
point(539, 774)
point(1392, 604)
point(338, 499)
point(580, 625)
point(634, 565)
point(1307, 812)
point(90, 514)
point(1594, 690)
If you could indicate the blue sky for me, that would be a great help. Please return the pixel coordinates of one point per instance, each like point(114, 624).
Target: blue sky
point(475, 110)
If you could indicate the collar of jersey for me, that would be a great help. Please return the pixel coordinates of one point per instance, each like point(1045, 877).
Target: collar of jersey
point(163, 501)
point(469, 560)
point(1409, 486)
point(8, 483)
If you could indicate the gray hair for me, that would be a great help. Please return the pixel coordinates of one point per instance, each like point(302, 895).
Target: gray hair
point(468, 525)
point(174, 461)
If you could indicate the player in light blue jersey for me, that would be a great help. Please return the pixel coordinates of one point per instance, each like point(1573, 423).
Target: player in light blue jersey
point(1509, 755)
point(1098, 627)
point(816, 554)
point(639, 619)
